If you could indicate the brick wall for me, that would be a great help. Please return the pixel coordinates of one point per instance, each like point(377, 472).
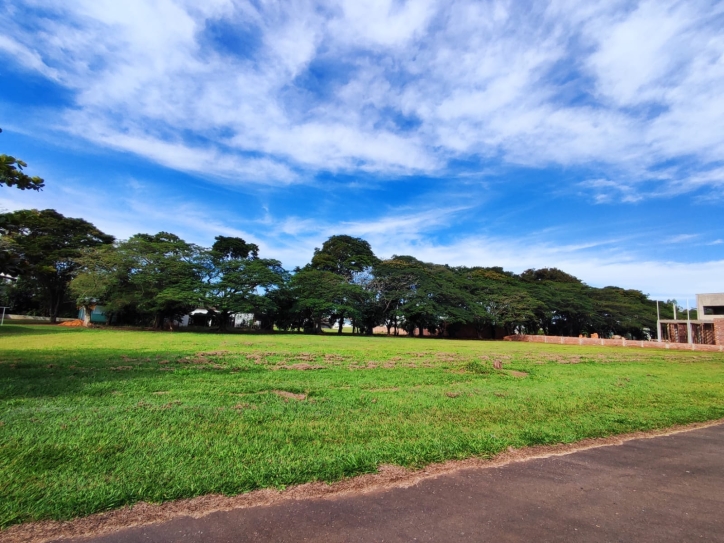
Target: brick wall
point(719, 332)
point(562, 340)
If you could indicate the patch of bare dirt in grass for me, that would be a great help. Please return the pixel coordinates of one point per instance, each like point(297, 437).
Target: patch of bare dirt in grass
point(289, 395)
point(372, 364)
point(194, 360)
point(213, 353)
point(387, 477)
point(331, 357)
point(121, 368)
point(519, 374)
point(419, 354)
point(452, 394)
point(302, 366)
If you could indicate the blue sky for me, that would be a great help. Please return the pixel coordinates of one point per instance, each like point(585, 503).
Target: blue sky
point(582, 135)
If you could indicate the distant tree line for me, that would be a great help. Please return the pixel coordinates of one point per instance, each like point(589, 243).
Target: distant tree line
point(54, 265)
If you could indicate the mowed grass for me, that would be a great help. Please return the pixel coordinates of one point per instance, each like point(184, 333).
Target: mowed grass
point(92, 420)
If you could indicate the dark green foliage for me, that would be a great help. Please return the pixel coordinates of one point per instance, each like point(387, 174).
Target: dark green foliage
point(152, 279)
point(344, 255)
point(238, 281)
point(45, 247)
point(12, 175)
point(350, 258)
point(548, 274)
point(320, 294)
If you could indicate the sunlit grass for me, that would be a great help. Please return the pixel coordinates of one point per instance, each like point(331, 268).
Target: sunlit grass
point(96, 419)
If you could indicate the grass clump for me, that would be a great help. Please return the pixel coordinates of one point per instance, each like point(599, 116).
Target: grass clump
point(475, 366)
point(96, 419)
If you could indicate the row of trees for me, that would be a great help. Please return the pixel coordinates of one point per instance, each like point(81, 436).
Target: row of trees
point(60, 263)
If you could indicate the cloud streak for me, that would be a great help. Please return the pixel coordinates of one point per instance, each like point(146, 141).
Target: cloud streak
point(279, 93)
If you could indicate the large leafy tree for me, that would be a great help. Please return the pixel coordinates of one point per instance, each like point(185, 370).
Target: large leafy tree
point(238, 280)
point(12, 175)
point(486, 292)
point(566, 307)
point(320, 294)
point(46, 246)
point(98, 277)
point(147, 278)
point(421, 295)
point(346, 256)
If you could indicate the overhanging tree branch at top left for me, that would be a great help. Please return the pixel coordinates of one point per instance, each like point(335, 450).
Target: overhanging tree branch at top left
point(12, 175)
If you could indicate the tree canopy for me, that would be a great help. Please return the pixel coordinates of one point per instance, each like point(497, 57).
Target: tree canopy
point(46, 247)
point(153, 279)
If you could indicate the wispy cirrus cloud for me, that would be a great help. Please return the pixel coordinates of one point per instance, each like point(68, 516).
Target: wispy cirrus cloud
point(389, 88)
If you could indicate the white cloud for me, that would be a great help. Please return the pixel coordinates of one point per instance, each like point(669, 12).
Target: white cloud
point(681, 238)
point(26, 57)
point(637, 49)
point(329, 86)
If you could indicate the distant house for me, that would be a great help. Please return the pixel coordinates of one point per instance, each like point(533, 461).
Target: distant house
point(205, 317)
point(98, 315)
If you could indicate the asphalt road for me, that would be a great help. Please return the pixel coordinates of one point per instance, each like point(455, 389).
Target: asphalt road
point(660, 489)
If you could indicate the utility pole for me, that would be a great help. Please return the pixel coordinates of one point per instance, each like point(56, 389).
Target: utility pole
point(2, 321)
point(688, 324)
point(658, 322)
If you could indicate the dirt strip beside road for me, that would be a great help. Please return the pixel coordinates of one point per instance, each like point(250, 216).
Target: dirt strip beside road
point(670, 488)
point(125, 520)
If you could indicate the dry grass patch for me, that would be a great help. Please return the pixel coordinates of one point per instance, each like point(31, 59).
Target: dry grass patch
point(302, 366)
point(290, 395)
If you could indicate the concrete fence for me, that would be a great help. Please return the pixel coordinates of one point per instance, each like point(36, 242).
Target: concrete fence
point(32, 319)
point(562, 340)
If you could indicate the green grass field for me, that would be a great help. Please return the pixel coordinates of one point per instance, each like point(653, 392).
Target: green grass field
point(91, 420)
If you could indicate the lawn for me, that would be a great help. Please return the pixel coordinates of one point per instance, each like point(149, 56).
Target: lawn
point(91, 420)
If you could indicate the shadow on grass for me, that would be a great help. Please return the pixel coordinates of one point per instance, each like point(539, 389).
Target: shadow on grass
point(51, 373)
point(14, 330)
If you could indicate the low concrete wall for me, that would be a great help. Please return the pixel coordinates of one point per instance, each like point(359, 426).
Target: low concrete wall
point(562, 340)
point(32, 318)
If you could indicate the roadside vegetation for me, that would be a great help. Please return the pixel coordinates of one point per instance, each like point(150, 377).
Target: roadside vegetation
point(94, 419)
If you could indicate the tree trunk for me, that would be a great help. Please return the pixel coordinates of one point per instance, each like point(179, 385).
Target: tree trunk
point(422, 331)
point(341, 324)
point(87, 312)
point(223, 321)
point(53, 309)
